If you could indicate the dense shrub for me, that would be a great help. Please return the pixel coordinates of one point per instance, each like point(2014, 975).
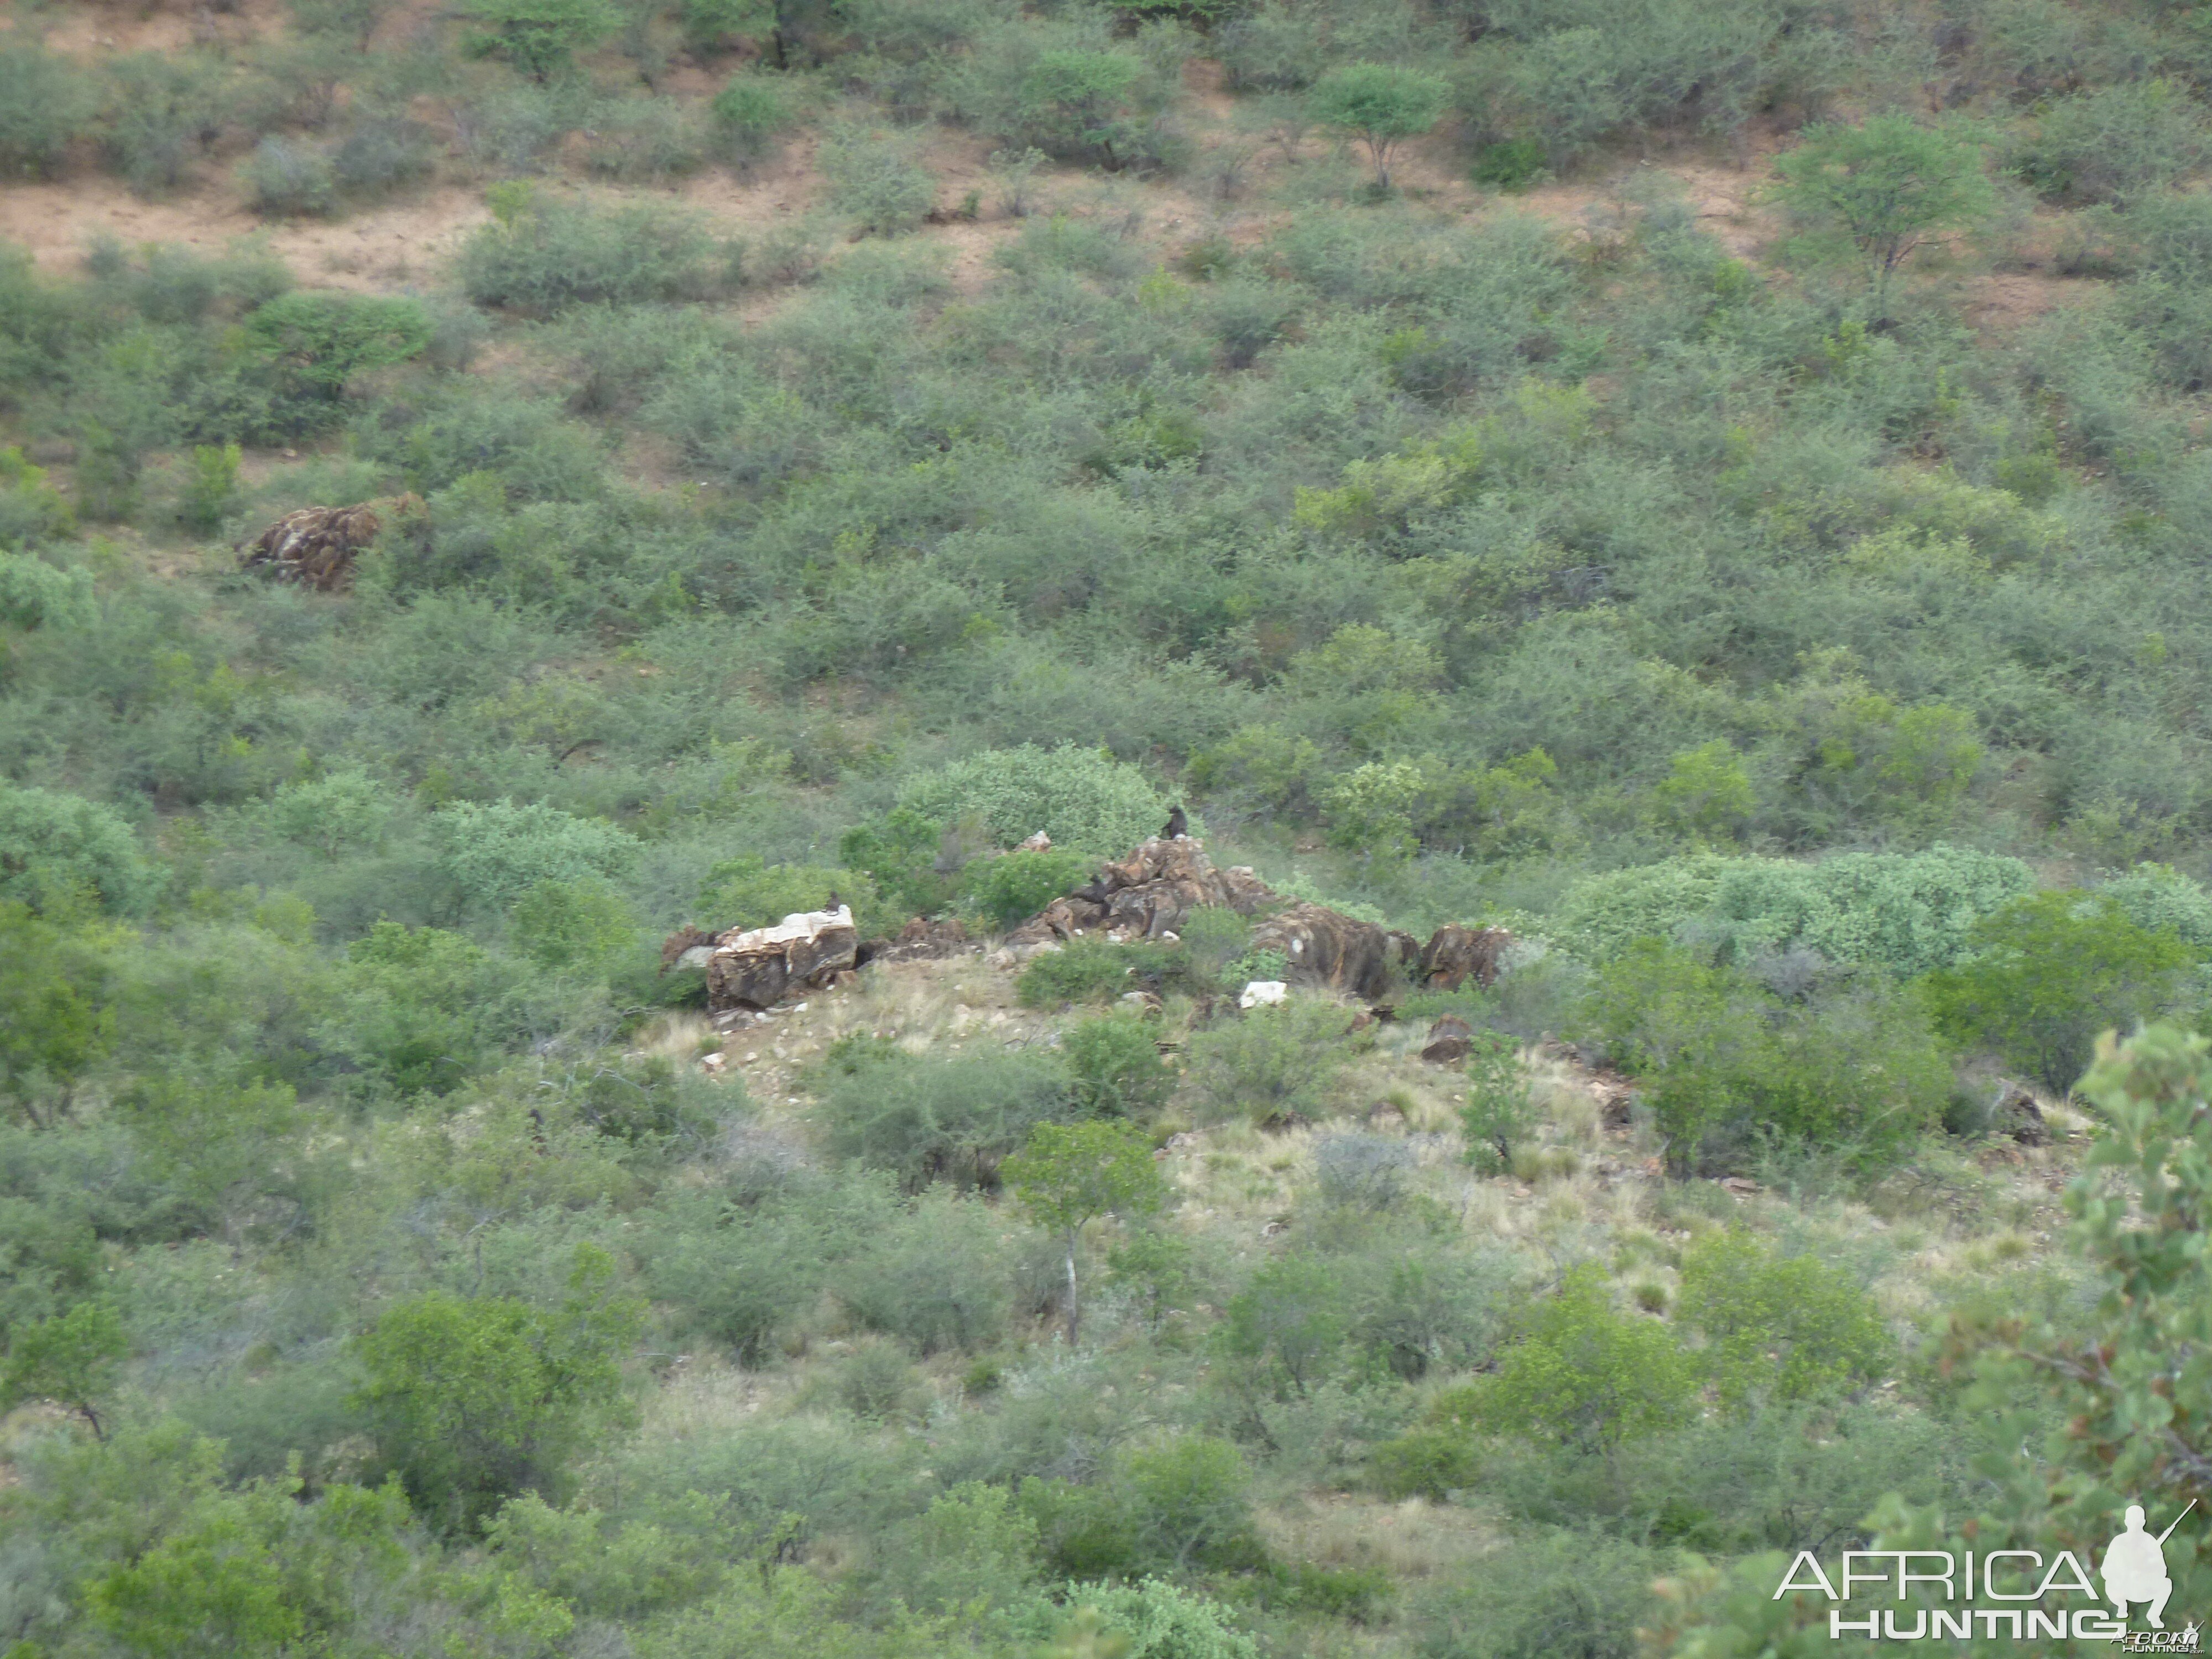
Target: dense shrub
point(1114, 1061)
point(948, 1120)
point(285, 178)
point(160, 113)
point(1272, 1062)
point(59, 851)
point(751, 112)
point(2048, 973)
point(547, 255)
point(45, 102)
point(876, 181)
point(1854, 1067)
point(1086, 802)
point(1011, 888)
point(1788, 1328)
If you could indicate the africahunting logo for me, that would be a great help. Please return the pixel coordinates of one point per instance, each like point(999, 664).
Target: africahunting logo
point(2133, 1571)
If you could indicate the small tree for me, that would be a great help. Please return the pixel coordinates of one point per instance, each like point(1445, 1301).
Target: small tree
point(2051, 971)
point(1379, 104)
point(1072, 1173)
point(1499, 1113)
point(1587, 1376)
point(542, 37)
point(1885, 186)
point(70, 1359)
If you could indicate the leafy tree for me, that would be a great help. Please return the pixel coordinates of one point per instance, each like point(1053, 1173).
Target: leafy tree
point(1706, 792)
point(2050, 970)
point(1785, 1327)
point(938, 1119)
point(494, 852)
point(1885, 186)
point(45, 101)
point(749, 112)
point(572, 924)
point(1073, 102)
point(416, 1005)
point(1084, 800)
point(58, 1006)
point(1117, 1064)
point(542, 37)
point(71, 1359)
point(1190, 1497)
point(476, 1398)
point(1380, 104)
point(316, 340)
point(1289, 1324)
point(1272, 1062)
point(1586, 1375)
point(58, 849)
point(1499, 1113)
point(1071, 1174)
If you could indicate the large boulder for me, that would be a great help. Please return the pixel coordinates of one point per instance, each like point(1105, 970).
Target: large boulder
point(1145, 896)
point(317, 546)
point(757, 968)
point(1328, 948)
point(1455, 955)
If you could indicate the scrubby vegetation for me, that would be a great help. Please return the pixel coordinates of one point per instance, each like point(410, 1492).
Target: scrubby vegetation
point(1719, 492)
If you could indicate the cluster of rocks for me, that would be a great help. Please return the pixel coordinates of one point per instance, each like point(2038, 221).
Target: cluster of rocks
point(1145, 896)
point(316, 546)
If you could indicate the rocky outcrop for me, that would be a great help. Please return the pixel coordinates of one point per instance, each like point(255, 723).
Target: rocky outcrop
point(1326, 947)
point(317, 546)
point(758, 967)
point(1145, 896)
point(2016, 1116)
point(920, 941)
point(1454, 954)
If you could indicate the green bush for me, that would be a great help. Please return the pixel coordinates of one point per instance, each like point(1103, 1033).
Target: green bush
point(58, 850)
point(492, 852)
point(2048, 973)
point(1088, 970)
point(1512, 165)
point(1586, 1377)
point(379, 154)
point(475, 1399)
point(941, 1119)
point(549, 256)
point(1563, 1591)
point(1010, 888)
point(751, 112)
point(876, 181)
point(644, 140)
point(972, 1550)
point(935, 1278)
point(286, 177)
point(1190, 1497)
point(748, 892)
point(160, 112)
point(1781, 1327)
point(45, 102)
point(1855, 1068)
point(210, 491)
point(1159, 1619)
point(2113, 144)
point(1271, 1063)
point(1114, 1061)
point(579, 926)
point(899, 853)
point(1380, 104)
point(542, 37)
point(1286, 1329)
point(315, 341)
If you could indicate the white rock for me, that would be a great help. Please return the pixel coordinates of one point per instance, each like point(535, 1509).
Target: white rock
point(1263, 993)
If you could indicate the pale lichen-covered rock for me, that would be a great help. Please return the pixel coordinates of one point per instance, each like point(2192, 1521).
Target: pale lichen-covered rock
point(1455, 955)
point(758, 967)
point(1264, 993)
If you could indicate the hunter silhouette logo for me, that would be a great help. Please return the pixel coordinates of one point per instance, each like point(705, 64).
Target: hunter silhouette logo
point(2135, 1567)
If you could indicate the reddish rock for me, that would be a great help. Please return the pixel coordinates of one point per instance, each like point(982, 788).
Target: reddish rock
point(756, 967)
point(1455, 955)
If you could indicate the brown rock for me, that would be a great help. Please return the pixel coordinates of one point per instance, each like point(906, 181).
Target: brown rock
point(2016, 1116)
point(758, 967)
point(1455, 955)
point(681, 943)
point(920, 941)
point(1145, 895)
point(1448, 1051)
point(318, 545)
point(1328, 948)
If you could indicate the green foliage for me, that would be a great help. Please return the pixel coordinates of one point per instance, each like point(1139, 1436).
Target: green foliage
point(1085, 800)
point(287, 179)
point(70, 1359)
point(1500, 1113)
point(30, 509)
point(57, 997)
point(2049, 971)
point(2113, 144)
point(316, 341)
point(542, 37)
point(941, 1120)
point(898, 851)
point(1114, 1061)
point(1706, 794)
point(1288, 1327)
point(1586, 1375)
point(1884, 187)
point(1069, 1175)
point(748, 892)
point(45, 101)
point(160, 112)
point(58, 850)
point(547, 255)
point(1781, 1327)
point(1380, 104)
point(1271, 1062)
point(418, 1005)
point(1190, 1495)
point(475, 1399)
point(1512, 165)
point(494, 852)
point(1561, 1590)
point(572, 926)
point(751, 112)
point(876, 181)
point(971, 1552)
point(1075, 103)
point(210, 491)
point(1088, 970)
point(1010, 888)
point(1854, 1067)
point(1905, 913)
